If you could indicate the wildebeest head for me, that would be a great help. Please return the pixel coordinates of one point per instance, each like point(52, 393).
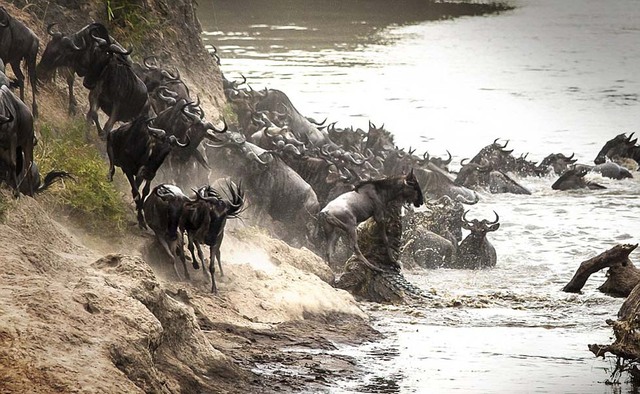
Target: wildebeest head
point(472, 175)
point(480, 227)
point(558, 161)
point(497, 156)
point(439, 162)
point(573, 178)
point(619, 146)
point(412, 190)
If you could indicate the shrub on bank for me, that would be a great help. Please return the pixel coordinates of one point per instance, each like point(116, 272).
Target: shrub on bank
point(91, 198)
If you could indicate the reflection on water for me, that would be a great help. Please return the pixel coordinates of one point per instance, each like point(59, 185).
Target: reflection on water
point(550, 76)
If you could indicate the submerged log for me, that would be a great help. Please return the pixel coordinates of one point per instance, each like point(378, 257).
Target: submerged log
point(388, 286)
point(622, 275)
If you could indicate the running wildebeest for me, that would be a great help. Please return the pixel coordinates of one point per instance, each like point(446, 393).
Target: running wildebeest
point(18, 42)
point(204, 221)
point(163, 210)
point(369, 199)
point(139, 150)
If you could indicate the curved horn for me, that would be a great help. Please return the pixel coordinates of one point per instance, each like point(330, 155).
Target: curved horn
point(51, 32)
point(146, 63)
point(497, 218)
point(446, 162)
point(630, 135)
point(114, 48)
point(162, 191)
point(174, 141)
point(252, 155)
point(210, 126)
point(158, 133)
point(464, 216)
point(99, 40)
point(462, 161)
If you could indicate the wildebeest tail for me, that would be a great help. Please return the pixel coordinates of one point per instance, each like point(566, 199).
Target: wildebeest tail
point(52, 177)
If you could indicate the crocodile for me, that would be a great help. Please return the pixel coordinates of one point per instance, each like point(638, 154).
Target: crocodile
point(389, 285)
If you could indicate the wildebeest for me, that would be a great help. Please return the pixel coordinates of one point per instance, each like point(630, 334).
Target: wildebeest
point(139, 150)
point(558, 162)
point(16, 140)
point(302, 128)
point(283, 194)
point(612, 170)
point(432, 236)
point(17, 43)
point(117, 90)
point(574, 179)
point(436, 183)
point(369, 199)
point(619, 147)
point(70, 55)
point(473, 176)
point(163, 210)
point(475, 251)
point(204, 221)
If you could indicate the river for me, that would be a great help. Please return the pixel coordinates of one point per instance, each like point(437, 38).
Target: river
point(550, 76)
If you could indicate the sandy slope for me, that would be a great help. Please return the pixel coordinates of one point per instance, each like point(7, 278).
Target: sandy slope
point(73, 319)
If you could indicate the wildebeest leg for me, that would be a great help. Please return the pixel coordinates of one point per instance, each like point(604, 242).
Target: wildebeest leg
point(378, 216)
point(73, 103)
point(109, 125)
point(194, 261)
point(201, 255)
point(169, 247)
point(15, 66)
point(212, 267)
point(31, 71)
point(134, 190)
point(92, 115)
point(145, 192)
point(112, 167)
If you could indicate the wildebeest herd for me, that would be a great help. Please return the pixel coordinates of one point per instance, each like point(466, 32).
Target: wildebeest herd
point(304, 178)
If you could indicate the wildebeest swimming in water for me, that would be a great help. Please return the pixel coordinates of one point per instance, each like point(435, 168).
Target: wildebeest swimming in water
point(574, 179)
point(370, 198)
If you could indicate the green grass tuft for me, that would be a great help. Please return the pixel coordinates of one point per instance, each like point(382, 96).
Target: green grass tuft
point(91, 198)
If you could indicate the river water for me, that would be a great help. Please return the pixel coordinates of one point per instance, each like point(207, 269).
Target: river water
point(550, 76)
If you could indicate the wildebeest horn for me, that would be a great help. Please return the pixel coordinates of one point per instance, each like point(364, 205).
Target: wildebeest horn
point(320, 123)
point(51, 32)
point(464, 216)
point(68, 41)
point(210, 126)
point(174, 141)
point(449, 159)
point(162, 191)
point(571, 157)
point(170, 76)
point(115, 48)
point(159, 133)
point(495, 142)
point(495, 221)
point(146, 63)
point(462, 161)
point(630, 135)
point(252, 155)
point(506, 151)
point(99, 40)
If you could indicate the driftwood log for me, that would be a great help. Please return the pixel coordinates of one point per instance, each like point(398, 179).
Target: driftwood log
point(388, 286)
point(622, 275)
point(627, 333)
